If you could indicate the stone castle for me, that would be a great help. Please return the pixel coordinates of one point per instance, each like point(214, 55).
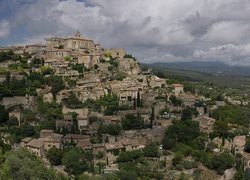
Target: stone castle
point(78, 48)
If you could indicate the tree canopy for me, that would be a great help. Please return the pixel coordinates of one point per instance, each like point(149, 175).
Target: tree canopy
point(21, 164)
point(75, 161)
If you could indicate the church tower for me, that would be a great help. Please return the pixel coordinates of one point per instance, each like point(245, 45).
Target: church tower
point(78, 34)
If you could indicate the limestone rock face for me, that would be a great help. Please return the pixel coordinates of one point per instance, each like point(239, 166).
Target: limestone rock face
point(129, 66)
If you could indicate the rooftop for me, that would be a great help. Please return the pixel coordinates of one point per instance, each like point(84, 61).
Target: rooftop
point(37, 143)
point(111, 146)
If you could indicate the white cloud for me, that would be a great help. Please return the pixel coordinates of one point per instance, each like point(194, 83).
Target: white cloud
point(4, 28)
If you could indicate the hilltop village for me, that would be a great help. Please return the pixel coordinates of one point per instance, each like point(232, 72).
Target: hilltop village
point(82, 108)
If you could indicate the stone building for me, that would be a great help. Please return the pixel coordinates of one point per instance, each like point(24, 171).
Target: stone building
point(75, 48)
point(35, 49)
point(115, 52)
point(178, 89)
point(54, 140)
point(36, 146)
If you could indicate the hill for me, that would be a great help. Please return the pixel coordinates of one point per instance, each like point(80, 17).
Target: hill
point(209, 67)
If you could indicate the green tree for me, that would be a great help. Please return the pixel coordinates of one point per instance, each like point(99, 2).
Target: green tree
point(239, 175)
point(151, 150)
point(57, 84)
point(181, 131)
point(177, 158)
point(129, 156)
point(4, 116)
point(54, 156)
point(13, 121)
point(187, 113)
point(99, 155)
point(247, 145)
point(45, 70)
point(112, 129)
point(132, 122)
point(175, 100)
point(222, 162)
point(21, 164)
point(221, 128)
point(168, 142)
point(72, 101)
point(75, 161)
point(247, 173)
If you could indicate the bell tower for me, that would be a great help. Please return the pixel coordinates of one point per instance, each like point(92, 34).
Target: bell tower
point(78, 34)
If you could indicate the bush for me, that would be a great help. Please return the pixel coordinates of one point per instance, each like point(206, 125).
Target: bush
point(177, 158)
point(132, 122)
point(151, 150)
point(129, 156)
point(222, 162)
point(72, 102)
point(190, 164)
point(112, 129)
point(184, 149)
point(13, 121)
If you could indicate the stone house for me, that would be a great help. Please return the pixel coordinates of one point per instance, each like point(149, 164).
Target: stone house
point(111, 119)
point(54, 140)
point(17, 100)
point(156, 82)
point(201, 110)
point(50, 62)
point(128, 94)
point(162, 122)
point(84, 144)
point(82, 123)
point(246, 160)
point(188, 99)
point(148, 99)
point(178, 89)
point(58, 54)
point(112, 152)
point(107, 138)
point(45, 133)
point(16, 113)
point(25, 141)
point(65, 123)
point(36, 146)
point(220, 103)
point(238, 144)
point(98, 148)
point(35, 48)
point(131, 144)
point(205, 123)
point(115, 52)
point(68, 138)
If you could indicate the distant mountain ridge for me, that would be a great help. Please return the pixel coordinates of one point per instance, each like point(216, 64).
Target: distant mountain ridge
point(208, 67)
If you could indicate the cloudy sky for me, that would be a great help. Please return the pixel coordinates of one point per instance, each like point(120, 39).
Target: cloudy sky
point(152, 30)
